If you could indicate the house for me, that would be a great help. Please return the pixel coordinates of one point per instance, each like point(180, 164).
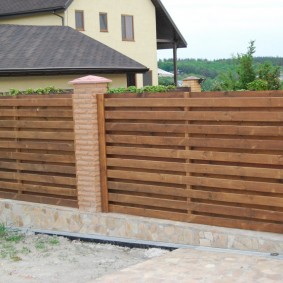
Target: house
point(135, 29)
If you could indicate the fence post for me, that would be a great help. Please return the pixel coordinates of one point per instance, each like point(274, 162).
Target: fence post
point(85, 113)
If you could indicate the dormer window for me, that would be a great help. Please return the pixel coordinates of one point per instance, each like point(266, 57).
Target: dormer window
point(103, 22)
point(79, 20)
point(127, 28)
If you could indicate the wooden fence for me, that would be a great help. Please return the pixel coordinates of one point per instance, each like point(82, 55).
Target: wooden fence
point(37, 158)
point(208, 158)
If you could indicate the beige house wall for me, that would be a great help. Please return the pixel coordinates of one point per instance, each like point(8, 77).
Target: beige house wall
point(143, 49)
point(23, 83)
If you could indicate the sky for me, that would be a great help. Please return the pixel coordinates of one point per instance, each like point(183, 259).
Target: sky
point(223, 28)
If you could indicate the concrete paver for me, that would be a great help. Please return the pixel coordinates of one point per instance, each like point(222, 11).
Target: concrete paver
point(202, 266)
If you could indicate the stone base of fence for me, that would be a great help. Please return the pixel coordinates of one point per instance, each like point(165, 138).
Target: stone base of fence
point(46, 217)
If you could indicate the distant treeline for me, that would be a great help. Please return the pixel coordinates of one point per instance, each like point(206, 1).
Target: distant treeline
point(209, 69)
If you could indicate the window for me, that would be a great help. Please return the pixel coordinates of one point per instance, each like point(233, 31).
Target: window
point(103, 22)
point(127, 28)
point(79, 20)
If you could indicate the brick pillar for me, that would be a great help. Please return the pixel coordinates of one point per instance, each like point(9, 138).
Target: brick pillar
point(194, 83)
point(86, 140)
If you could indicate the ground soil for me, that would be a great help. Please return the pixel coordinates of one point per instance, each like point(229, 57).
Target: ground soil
point(41, 258)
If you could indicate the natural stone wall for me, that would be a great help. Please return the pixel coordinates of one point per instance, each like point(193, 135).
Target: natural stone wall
point(46, 217)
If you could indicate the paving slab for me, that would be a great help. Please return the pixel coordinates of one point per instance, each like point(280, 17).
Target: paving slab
point(202, 266)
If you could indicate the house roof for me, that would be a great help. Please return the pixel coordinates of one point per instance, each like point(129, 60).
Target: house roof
point(18, 7)
point(167, 31)
point(57, 49)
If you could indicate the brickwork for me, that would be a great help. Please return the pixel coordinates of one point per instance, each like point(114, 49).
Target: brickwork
point(193, 83)
point(86, 141)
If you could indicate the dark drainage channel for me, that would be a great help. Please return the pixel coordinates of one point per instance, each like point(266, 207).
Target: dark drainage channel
point(121, 242)
point(132, 243)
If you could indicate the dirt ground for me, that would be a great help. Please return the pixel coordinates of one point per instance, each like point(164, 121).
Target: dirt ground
point(42, 258)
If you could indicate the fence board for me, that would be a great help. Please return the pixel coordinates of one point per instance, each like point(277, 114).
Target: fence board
point(209, 158)
point(267, 159)
point(56, 158)
point(272, 131)
point(216, 116)
point(264, 102)
point(37, 158)
point(37, 124)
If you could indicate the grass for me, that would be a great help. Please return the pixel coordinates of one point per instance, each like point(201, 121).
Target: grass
point(13, 247)
point(8, 243)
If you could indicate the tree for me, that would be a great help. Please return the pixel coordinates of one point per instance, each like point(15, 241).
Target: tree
point(270, 74)
point(248, 76)
point(246, 70)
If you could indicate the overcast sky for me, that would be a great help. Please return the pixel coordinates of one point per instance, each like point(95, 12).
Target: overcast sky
point(221, 28)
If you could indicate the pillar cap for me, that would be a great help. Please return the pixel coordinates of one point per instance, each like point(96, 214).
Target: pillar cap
point(193, 78)
point(90, 80)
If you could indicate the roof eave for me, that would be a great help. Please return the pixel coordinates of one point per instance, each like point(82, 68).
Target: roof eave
point(69, 71)
point(32, 12)
point(51, 9)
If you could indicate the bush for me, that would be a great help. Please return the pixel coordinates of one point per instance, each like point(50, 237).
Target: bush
point(47, 90)
point(258, 85)
point(133, 89)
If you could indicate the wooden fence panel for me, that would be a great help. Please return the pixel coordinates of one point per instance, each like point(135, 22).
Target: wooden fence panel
point(37, 158)
point(208, 158)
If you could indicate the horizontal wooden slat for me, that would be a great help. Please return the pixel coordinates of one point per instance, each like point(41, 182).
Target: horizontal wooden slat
point(237, 198)
point(272, 131)
point(40, 199)
point(197, 168)
point(237, 94)
point(148, 201)
point(251, 116)
point(195, 102)
point(36, 113)
point(61, 125)
point(235, 171)
point(238, 223)
point(38, 167)
point(237, 211)
point(59, 146)
point(38, 178)
point(37, 135)
point(134, 139)
point(268, 159)
point(237, 143)
point(199, 142)
point(148, 212)
point(36, 102)
point(228, 184)
point(143, 188)
point(57, 158)
point(146, 164)
point(39, 189)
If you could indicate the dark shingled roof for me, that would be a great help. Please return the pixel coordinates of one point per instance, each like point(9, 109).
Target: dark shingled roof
point(15, 7)
point(57, 49)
